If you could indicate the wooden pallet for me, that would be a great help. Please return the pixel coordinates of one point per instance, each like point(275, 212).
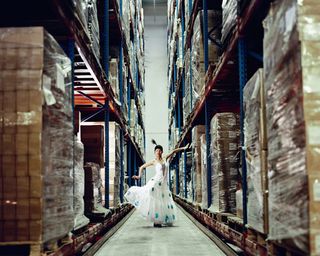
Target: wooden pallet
point(31, 248)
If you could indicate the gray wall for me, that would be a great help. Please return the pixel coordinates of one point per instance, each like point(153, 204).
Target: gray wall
point(156, 116)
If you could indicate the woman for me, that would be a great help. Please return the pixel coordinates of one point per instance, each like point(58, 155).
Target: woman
point(154, 200)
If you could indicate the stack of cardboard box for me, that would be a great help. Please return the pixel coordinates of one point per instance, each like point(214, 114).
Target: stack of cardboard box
point(197, 132)
point(197, 55)
point(36, 137)
point(92, 137)
point(225, 131)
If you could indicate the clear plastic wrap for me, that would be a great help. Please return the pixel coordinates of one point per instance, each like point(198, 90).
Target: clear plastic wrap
point(224, 149)
point(291, 46)
point(93, 190)
point(37, 136)
point(197, 132)
point(204, 183)
point(229, 17)
point(255, 142)
point(197, 57)
point(114, 77)
point(239, 203)
point(88, 15)
point(93, 27)
point(80, 220)
point(126, 20)
point(114, 164)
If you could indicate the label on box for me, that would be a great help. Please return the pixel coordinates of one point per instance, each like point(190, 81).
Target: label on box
point(316, 191)
point(313, 134)
point(232, 134)
point(48, 96)
point(233, 146)
point(317, 243)
point(231, 121)
point(60, 78)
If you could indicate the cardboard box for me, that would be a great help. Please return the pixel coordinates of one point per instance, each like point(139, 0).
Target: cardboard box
point(23, 187)
point(35, 230)
point(8, 166)
point(35, 165)
point(23, 230)
point(36, 208)
point(21, 141)
point(21, 165)
point(9, 188)
point(10, 231)
point(23, 209)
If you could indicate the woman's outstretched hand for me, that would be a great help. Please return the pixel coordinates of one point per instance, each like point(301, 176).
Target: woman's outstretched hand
point(135, 177)
point(186, 146)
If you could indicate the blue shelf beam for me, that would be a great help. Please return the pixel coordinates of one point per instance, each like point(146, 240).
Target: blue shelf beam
point(242, 57)
point(185, 174)
point(121, 167)
point(129, 165)
point(106, 153)
point(105, 38)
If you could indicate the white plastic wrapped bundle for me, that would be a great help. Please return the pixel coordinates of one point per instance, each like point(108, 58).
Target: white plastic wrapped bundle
point(256, 151)
point(197, 132)
point(204, 172)
point(229, 17)
point(80, 220)
point(291, 61)
point(224, 149)
point(114, 77)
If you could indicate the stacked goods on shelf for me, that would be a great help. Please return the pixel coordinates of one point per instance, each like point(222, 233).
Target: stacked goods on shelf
point(126, 20)
point(182, 174)
point(204, 183)
point(80, 7)
point(188, 91)
point(92, 137)
point(291, 62)
point(197, 132)
point(197, 58)
point(133, 118)
point(114, 77)
point(114, 164)
point(229, 18)
point(239, 203)
point(92, 190)
point(36, 137)
point(79, 220)
point(93, 26)
point(224, 149)
point(179, 61)
point(256, 152)
point(125, 92)
point(87, 12)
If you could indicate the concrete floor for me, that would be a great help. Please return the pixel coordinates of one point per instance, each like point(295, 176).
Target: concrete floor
point(139, 238)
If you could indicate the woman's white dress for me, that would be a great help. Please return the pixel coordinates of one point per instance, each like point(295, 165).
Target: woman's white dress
point(154, 200)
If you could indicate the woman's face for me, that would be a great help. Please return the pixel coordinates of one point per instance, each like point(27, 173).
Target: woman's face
point(158, 152)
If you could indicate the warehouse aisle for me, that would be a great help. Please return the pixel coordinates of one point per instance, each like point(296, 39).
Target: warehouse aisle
point(138, 237)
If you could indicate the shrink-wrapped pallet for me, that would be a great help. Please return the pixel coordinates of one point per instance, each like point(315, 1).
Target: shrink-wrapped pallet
point(291, 62)
point(224, 149)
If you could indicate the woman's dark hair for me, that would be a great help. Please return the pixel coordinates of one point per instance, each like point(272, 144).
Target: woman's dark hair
point(157, 146)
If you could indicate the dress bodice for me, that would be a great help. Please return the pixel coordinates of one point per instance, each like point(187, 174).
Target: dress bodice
point(160, 169)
